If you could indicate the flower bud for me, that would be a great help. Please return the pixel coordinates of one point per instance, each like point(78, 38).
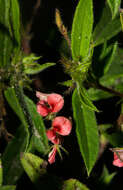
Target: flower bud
point(52, 155)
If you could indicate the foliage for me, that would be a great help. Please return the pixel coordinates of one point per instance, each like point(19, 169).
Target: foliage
point(91, 53)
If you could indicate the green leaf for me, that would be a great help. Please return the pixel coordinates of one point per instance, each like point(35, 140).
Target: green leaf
point(115, 139)
point(8, 187)
point(1, 173)
point(6, 43)
point(9, 30)
point(39, 133)
point(68, 83)
point(32, 165)
point(31, 65)
point(106, 28)
point(15, 20)
point(105, 50)
point(121, 18)
point(86, 131)
point(114, 6)
point(37, 68)
point(106, 177)
point(84, 98)
point(115, 70)
point(73, 184)
point(104, 127)
point(111, 58)
point(97, 94)
point(102, 63)
point(12, 169)
point(82, 30)
point(15, 104)
point(26, 111)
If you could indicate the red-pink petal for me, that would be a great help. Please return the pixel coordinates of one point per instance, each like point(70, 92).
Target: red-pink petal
point(117, 162)
point(42, 109)
point(52, 155)
point(52, 136)
point(55, 101)
point(62, 125)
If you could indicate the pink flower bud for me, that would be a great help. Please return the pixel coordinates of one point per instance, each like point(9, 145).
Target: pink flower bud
point(117, 162)
point(52, 155)
point(62, 125)
point(49, 103)
point(52, 136)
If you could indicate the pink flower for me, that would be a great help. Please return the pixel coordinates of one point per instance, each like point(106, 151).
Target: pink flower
point(52, 136)
point(117, 162)
point(49, 103)
point(52, 154)
point(62, 125)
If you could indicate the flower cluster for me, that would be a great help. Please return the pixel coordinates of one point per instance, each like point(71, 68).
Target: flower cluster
point(61, 126)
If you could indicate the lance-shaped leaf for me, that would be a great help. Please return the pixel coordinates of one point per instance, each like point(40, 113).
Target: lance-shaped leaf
point(9, 30)
point(114, 6)
point(97, 94)
point(6, 43)
point(106, 28)
point(106, 178)
point(12, 169)
point(115, 70)
point(31, 65)
point(15, 20)
point(84, 98)
point(111, 58)
point(37, 68)
point(33, 166)
point(121, 18)
point(86, 131)
point(106, 58)
point(8, 187)
point(39, 133)
point(13, 101)
point(26, 111)
point(82, 30)
point(73, 184)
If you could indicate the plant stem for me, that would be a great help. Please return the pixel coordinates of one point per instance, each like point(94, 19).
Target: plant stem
point(97, 85)
point(111, 91)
